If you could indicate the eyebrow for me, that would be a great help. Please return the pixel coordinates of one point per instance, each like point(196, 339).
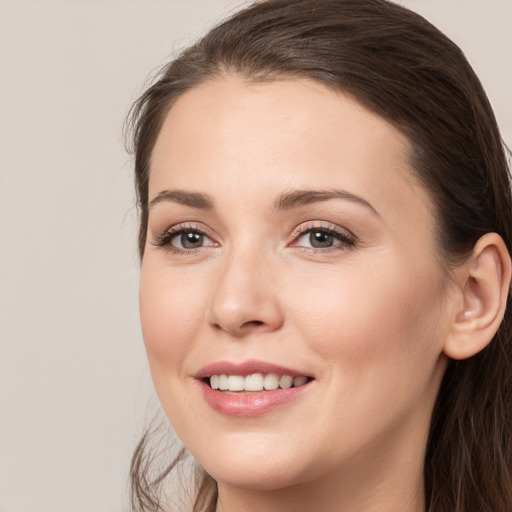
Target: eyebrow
point(286, 201)
point(298, 198)
point(192, 199)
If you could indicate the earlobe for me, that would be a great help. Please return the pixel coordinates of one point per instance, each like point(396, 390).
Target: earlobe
point(484, 281)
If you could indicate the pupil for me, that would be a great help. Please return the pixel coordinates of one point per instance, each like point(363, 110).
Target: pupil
point(318, 239)
point(191, 240)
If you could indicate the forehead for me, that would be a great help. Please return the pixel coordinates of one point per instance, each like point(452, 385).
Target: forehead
point(229, 136)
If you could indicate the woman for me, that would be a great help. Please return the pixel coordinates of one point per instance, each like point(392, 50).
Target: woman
point(325, 239)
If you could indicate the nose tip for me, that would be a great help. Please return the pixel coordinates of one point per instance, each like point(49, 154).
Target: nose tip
point(242, 320)
point(245, 302)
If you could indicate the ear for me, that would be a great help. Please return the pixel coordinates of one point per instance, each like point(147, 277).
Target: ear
point(484, 281)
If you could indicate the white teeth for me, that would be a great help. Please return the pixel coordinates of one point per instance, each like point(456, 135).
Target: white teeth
point(236, 383)
point(271, 381)
point(214, 381)
point(255, 382)
point(223, 382)
point(285, 382)
point(299, 381)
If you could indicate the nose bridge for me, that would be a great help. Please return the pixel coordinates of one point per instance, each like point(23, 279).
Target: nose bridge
point(245, 297)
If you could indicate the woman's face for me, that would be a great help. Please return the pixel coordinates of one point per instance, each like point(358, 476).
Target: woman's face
point(288, 237)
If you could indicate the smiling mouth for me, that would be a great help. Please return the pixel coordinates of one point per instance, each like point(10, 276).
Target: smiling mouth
point(255, 382)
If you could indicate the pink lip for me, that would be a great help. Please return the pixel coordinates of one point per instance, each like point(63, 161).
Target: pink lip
point(247, 404)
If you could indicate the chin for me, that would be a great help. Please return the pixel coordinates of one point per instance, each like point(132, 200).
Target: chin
point(259, 469)
point(266, 476)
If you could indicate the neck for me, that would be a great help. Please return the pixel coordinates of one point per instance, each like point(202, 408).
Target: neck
point(324, 498)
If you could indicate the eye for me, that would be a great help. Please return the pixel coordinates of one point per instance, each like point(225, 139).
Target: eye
point(318, 239)
point(323, 238)
point(183, 239)
point(189, 240)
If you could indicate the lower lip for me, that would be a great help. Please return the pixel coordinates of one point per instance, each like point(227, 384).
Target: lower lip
point(249, 404)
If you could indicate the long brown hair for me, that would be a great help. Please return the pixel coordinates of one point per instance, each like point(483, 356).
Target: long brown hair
point(401, 67)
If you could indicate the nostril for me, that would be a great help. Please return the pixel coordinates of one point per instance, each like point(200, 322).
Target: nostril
point(253, 323)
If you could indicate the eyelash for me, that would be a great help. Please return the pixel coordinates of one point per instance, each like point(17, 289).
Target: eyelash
point(347, 240)
point(166, 238)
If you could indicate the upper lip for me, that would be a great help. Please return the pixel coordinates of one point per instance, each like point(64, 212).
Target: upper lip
point(246, 368)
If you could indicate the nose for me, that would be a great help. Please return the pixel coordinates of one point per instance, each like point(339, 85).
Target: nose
point(245, 298)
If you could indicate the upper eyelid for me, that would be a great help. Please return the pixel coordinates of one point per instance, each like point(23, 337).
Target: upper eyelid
point(328, 226)
point(164, 237)
point(188, 226)
point(298, 231)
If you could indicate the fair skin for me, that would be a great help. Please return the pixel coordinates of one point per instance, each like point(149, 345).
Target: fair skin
point(345, 288)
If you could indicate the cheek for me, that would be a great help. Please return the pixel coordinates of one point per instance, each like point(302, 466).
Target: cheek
point(377, 340)
point(171, 313)
point(385, 317)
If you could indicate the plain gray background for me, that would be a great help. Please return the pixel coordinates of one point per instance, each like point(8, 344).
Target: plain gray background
point(74, 384)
